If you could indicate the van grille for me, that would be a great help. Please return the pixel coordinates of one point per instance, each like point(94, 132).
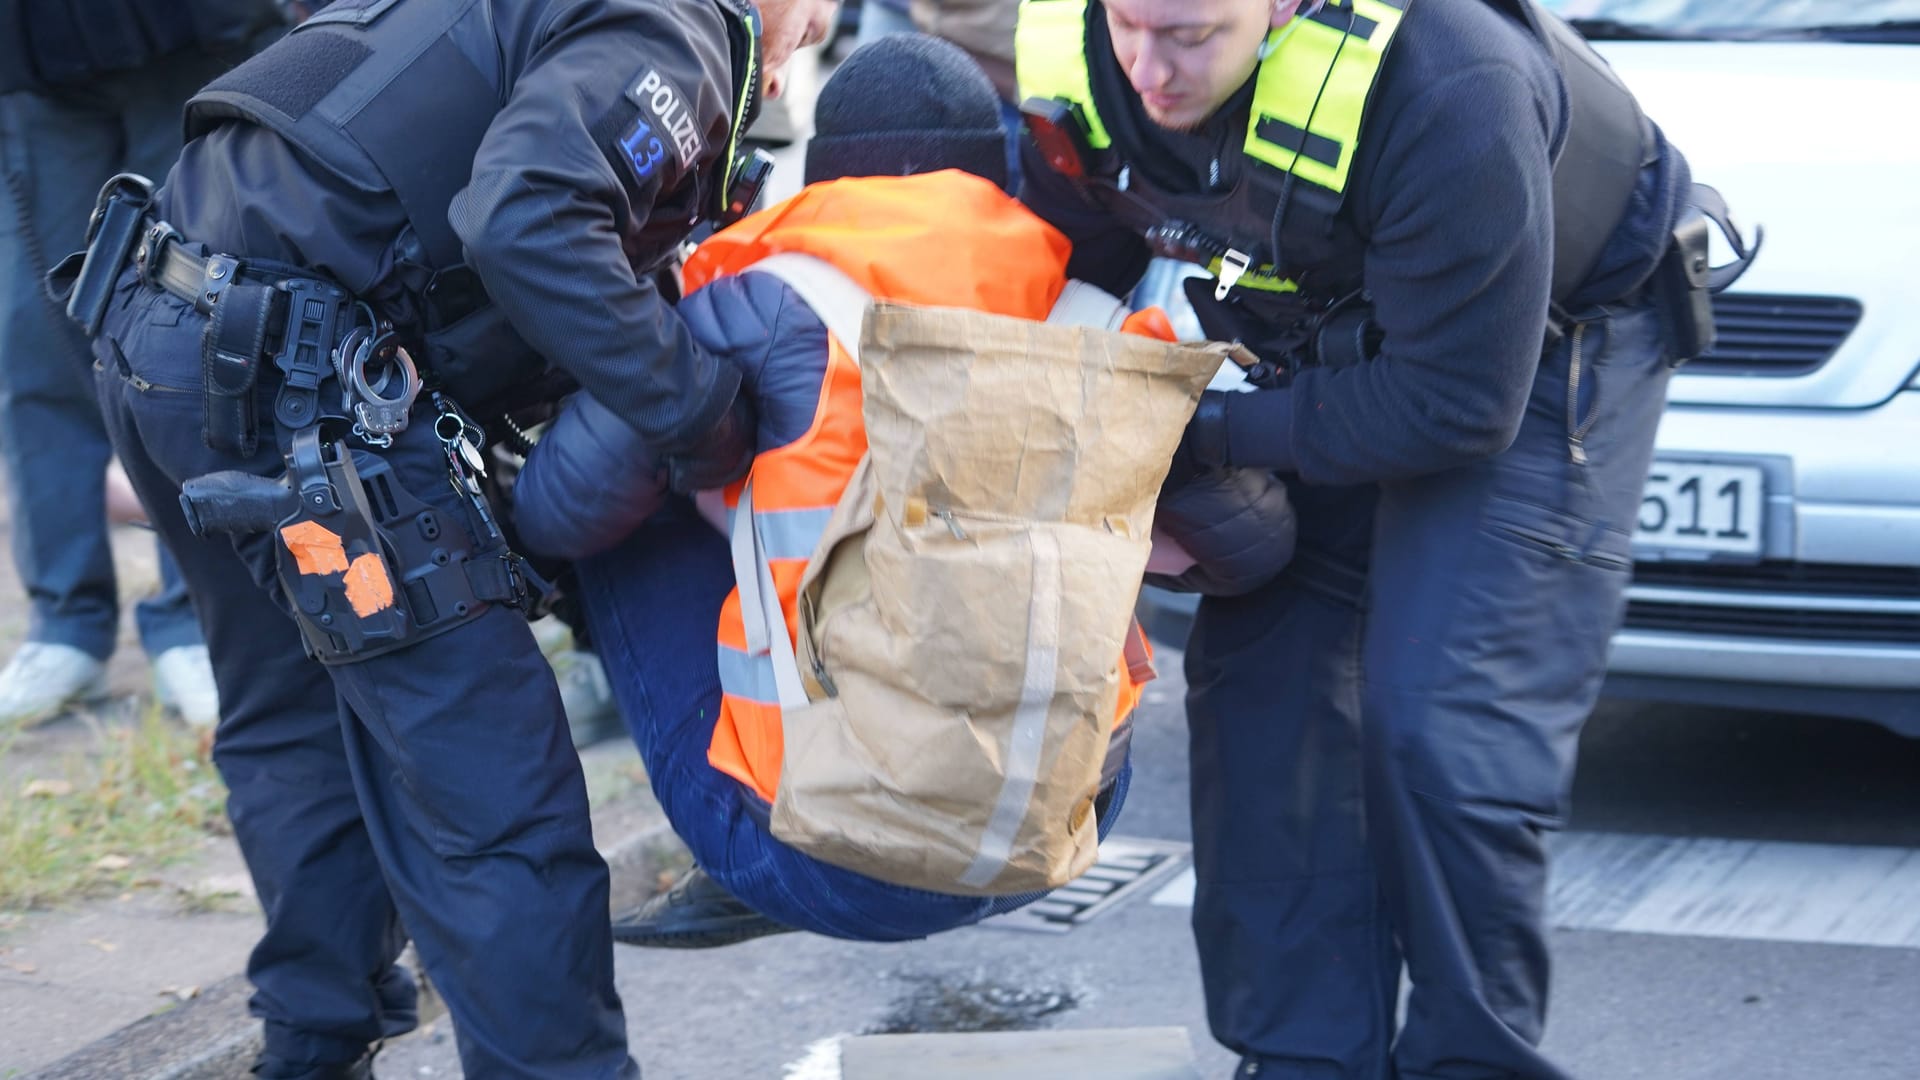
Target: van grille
point(1772, 334)
point(1719, 611)
point(1860, 627)
point(1782, 576)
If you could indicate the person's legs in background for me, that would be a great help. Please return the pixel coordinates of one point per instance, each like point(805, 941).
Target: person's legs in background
point(55, 154)
point(149, 103)
point(54, 448)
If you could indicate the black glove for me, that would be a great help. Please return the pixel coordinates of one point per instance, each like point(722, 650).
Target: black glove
point(1204, 445)
point(721, 456)
point(1240, 430)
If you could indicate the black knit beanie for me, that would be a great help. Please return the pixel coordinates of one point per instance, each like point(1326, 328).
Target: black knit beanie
point(903, 105)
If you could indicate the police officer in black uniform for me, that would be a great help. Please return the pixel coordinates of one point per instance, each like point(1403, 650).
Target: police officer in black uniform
point(400, 215)
point(1469, 264)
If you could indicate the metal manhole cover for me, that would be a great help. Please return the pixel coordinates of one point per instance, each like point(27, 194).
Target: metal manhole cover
point(1127, 867)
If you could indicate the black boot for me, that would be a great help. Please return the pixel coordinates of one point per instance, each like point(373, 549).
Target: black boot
point(267, 1067)
point(695, 914)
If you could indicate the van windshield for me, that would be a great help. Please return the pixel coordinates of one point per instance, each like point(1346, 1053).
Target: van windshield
point(1858, 20)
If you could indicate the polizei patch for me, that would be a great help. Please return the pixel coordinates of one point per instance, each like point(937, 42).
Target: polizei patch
point(673, 120)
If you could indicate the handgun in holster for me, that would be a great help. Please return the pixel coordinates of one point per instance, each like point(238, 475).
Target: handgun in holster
point(367, 566)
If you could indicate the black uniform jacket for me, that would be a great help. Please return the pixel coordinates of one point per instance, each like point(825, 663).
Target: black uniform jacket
point(603, 152)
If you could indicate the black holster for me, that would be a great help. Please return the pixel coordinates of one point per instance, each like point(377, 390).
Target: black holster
point(85, 279)
point(1684, 282)
point(367, 567)
point(1679, 289)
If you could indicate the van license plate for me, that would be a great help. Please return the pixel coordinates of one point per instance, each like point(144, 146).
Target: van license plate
point(1697, 507)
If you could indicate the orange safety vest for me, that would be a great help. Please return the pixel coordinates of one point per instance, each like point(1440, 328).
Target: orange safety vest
point(945, 239)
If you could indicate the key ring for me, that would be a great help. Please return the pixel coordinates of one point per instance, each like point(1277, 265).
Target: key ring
point(458, 433)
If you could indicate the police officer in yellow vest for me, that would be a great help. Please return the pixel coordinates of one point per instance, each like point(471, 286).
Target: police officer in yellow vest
point(1469, 264)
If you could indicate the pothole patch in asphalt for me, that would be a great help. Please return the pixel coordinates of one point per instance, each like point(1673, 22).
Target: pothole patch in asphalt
point(958, 1003)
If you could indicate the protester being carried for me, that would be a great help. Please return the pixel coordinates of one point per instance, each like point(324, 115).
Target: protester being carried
point(906, 197)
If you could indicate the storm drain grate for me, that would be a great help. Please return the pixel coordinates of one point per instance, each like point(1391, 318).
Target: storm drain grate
point(1127, 867)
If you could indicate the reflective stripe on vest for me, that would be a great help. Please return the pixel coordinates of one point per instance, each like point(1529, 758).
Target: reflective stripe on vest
point(1311, 94)
point(1309, 99)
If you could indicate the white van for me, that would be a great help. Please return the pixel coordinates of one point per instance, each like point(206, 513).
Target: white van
point(1778, 563)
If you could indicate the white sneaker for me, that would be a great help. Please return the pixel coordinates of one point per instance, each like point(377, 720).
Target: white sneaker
point(43, 679)
point(183, 681)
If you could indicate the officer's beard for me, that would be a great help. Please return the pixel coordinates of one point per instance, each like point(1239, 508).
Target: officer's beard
point(1180, 127)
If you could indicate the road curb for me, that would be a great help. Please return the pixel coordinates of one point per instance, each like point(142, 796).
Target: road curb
point(212, 1037)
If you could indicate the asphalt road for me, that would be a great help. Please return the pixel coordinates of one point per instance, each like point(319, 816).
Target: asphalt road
point(1776, 841)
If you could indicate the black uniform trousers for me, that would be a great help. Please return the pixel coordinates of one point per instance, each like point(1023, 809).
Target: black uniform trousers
point(1383, 738)
point(433, 789)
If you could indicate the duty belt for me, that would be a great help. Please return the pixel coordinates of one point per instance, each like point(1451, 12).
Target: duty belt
point(369, 566)
point(437, 578)
point(310, 327)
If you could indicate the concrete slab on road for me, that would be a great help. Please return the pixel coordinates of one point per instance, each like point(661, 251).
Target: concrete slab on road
point(1160, 1053)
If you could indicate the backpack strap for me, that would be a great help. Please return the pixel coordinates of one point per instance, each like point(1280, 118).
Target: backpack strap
point(761, 615)
point(841, 304)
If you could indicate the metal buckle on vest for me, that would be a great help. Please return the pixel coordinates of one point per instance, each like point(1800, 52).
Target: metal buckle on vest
point(1233, 267)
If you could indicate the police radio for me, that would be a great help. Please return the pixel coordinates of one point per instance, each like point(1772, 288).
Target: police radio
point(746, 182)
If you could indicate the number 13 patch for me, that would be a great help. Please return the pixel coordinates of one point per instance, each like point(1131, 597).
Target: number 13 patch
point(643, 149)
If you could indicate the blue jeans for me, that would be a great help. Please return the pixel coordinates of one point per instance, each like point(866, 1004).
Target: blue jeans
point(55, 153)
point(653, 604)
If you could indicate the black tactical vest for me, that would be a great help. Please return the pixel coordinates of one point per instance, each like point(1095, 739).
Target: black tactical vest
point(345, 85)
